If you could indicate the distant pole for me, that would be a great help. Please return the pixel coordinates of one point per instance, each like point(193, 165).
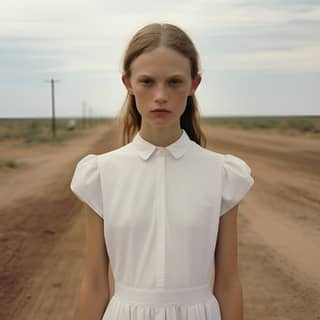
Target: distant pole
point(90, 116)
point(84, 107)
point(53, 111)
point(53, 121)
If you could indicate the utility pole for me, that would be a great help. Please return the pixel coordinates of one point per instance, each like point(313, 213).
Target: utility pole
point(53, 121)
point(84, 109)
point(90, 115)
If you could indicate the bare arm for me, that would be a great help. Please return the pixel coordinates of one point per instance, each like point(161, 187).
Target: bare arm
point(227, 285)
point(94, 291)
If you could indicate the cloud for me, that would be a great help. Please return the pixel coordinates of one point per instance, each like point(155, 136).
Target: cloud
point(304, 5)
point(83, 36)
point(81, 40)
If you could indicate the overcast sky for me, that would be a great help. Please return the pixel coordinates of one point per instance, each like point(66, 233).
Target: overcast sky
point(257, 57)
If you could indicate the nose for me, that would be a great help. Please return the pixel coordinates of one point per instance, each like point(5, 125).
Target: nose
point(160, 94)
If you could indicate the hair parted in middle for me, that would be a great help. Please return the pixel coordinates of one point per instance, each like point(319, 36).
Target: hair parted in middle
point(146, 39)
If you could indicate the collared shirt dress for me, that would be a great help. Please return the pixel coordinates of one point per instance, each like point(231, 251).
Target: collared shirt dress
point(161, 208)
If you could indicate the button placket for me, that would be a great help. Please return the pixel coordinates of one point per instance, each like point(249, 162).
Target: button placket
point(161, 215)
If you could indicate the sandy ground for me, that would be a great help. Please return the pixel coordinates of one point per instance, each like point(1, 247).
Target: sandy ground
point(42, 225)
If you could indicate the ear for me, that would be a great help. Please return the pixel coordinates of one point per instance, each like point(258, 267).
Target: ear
point(195, 83)
point(126, 82)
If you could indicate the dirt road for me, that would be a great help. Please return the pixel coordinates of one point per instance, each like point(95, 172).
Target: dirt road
point(279, 222)
point(42, 227)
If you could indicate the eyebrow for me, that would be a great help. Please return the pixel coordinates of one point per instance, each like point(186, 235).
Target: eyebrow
point(171, 76)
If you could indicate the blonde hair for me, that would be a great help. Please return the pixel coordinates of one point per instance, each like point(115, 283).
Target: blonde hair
point(147, 39)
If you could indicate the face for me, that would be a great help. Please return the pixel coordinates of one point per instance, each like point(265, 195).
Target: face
point(161, 78)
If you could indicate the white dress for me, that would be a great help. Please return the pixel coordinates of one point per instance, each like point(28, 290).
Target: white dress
point(161, 208)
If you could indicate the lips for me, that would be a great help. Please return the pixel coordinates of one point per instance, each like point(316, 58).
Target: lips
point(160, 110)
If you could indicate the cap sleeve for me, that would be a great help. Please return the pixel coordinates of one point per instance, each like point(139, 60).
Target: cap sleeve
point(86, 184)
point(236, 181)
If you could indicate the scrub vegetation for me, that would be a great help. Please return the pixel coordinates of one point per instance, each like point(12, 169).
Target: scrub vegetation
point(40, 130)
point(285, 124)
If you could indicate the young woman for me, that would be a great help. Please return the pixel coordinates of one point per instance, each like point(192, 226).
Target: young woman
point(162, 209)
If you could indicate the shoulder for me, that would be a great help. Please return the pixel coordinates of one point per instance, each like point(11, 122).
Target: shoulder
point(93, 167)
point(206, 154)
point(95, 160)
point(116, 157)
point(225, 159)
point(226, 165)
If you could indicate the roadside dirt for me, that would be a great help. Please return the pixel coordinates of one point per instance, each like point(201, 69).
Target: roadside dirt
point(42, 225)
point(279, 222)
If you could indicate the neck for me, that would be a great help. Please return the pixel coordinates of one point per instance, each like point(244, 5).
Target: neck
point(161, 137)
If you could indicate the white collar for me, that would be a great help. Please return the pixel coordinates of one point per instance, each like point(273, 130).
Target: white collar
point(176, 149)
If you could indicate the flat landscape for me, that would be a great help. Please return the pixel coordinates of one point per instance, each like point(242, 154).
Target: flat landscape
point(42, 224)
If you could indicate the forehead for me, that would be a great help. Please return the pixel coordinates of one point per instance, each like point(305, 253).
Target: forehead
point(161, 61)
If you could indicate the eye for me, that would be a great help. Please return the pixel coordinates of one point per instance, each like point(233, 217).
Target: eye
point(146, 82)
point(175, 82)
